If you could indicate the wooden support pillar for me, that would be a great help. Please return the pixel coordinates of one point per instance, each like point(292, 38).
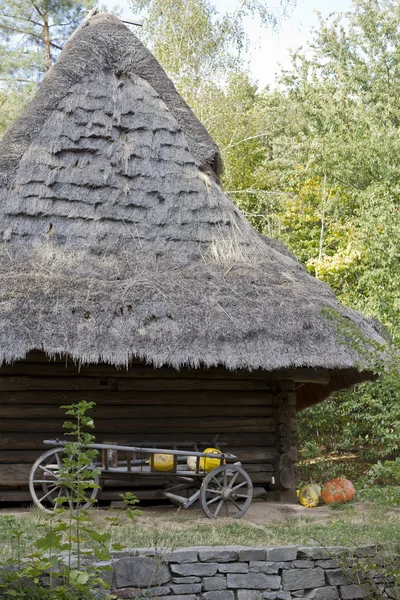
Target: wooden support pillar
point(284, 412)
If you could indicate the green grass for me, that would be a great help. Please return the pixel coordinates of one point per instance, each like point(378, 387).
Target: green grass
point(352, 525)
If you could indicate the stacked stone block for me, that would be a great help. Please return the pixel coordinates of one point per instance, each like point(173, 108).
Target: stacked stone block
point(234, 573)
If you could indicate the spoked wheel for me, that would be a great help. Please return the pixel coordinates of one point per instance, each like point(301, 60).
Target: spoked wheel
point(226, 492)
point(47, 487)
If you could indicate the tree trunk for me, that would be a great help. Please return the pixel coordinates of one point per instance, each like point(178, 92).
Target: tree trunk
point(46, 38)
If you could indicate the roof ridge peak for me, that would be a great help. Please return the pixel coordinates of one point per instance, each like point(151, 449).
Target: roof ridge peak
point(119, 49)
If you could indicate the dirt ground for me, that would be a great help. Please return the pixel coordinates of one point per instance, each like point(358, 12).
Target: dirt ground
point(260, 512)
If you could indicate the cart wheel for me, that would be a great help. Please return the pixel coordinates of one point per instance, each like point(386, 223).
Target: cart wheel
point(46, 486)
point(226, 492)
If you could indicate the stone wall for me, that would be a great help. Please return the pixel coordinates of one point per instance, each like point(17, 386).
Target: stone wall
point(238, 573)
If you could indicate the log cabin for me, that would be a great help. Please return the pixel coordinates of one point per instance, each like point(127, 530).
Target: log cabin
point(128, 277)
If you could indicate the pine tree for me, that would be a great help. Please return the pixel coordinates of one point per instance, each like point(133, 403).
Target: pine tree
point(32, 34)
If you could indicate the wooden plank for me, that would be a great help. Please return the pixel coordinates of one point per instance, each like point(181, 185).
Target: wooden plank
point(142, 494)
point(175, 398)
point(48, 411)
point(15, 495)
point(257, 468)
point(245, 455)
point(14, 475)
point(303, 375)
point(17, 475)
point(221, 425)
point(14, 383)
point(20, 456)
point(300, 375)
point(133, 483)
point(139, 370)
point(34, 440)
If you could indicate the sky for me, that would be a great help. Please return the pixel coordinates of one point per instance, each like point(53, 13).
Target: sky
point(269, 49)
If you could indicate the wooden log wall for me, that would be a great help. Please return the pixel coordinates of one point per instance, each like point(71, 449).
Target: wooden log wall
point(253, 416)
point(284, 411)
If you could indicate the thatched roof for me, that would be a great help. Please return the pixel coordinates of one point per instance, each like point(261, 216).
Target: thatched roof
point(118, 240)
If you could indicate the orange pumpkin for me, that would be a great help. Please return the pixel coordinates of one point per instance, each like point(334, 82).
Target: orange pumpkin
point(338, 490)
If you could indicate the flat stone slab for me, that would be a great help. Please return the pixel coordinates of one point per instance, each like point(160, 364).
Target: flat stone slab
point(139, 571)
point(303, 564)
point(197, 569)
point(262, 566)
point(181, 580)
point(252, 554)
point(317, 552)
point(300, 579)
point(214, 583)
point(127, 593)
point(233, 568)
point(352, 592)
point(185, 597)
point(337, 577)
point(283, 554)
point(218, 595)
point(254, 581)
point(218, 555)
point(186, 588)
point(323, 593)
point(249, 595)
point(183, 556)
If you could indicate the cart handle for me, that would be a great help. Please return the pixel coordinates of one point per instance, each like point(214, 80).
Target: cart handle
point(143, 450)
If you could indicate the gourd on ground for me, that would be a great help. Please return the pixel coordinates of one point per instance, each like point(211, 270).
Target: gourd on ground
point(338, 490)
point(309, 495)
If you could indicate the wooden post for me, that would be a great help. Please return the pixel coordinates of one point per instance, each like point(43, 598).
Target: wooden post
point(284, 411)
point(110, 457)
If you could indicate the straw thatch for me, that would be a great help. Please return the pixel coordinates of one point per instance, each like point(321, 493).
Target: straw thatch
point(118, 240)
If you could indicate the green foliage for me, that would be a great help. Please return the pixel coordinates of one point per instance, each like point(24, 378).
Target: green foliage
point(328, 467)
point(202, 52)
point(332, 161)
point(31, 36)
point(362, 569)
point(365, 421)
point(195, 43)
point(335, 160)
point(383, 495)
point(386, 472)
point(51, 563)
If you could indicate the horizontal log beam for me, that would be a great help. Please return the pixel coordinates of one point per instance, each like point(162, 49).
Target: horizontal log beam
point(15, 383)
point(245, 455)
point(302, 375)
point(17, 475)
point(187, 425)
point(147, 371)
point(132, 398)
point(34, 440)
point(48, 411)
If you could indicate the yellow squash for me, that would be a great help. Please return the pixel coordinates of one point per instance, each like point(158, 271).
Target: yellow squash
point(163, 462)
point(208, 464)
point(308, 496)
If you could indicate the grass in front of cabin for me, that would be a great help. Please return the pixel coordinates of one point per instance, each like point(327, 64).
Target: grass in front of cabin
point(353, 524)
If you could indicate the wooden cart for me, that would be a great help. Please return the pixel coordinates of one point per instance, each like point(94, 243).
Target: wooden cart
point(226, 491)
